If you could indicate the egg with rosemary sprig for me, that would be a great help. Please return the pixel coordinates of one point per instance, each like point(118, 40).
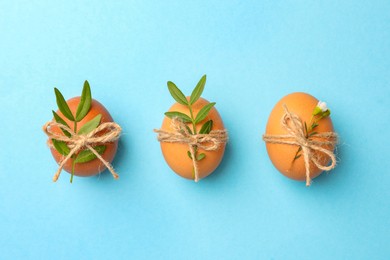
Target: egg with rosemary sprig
point(199, 121)
point(81, 115)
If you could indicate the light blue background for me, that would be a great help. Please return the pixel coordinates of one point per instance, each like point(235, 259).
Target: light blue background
point(254, 52)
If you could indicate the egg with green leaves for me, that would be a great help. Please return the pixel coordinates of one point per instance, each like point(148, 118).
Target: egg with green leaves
point(81, 115)
point(200, 118)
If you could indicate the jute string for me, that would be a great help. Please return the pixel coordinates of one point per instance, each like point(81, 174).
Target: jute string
point(310, 146)
point(78, 142)
point(208, 142)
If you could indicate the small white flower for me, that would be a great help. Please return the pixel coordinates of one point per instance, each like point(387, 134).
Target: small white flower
point(322, 106)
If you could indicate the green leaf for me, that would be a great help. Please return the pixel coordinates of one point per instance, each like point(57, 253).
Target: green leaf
point(314, 125)
point(189, 154)
point(61, 147)
point(206, 127)
point(203, 112)
point(313, 133)
point(197, 92)
point(61, 121)
point(85, 102)
point(184, 117)
point(90, 125)
point(62, 105)
point(297, 157)
point(326, 113)
point(306, 129)
point(188, 129)
point(200, 156)
point(87, 155)
point(177, 94)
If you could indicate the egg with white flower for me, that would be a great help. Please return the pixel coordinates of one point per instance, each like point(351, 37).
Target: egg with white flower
point(289, 159)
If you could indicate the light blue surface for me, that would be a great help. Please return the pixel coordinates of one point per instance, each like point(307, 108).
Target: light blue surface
point(253, 53)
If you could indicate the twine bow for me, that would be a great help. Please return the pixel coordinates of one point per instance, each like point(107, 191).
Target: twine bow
point(77, 142)
point(208, 142)
point(316, 142)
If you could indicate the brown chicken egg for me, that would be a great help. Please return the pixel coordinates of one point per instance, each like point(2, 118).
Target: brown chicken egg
point(287, 158)
point(95, 166)
point(176, 154)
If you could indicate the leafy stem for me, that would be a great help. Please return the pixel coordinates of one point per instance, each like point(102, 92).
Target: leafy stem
point(319, 112)
point(308, 134)
point(82, 110)
point(192, 119)
point(73, 165)
point(73, 156)
point(75, 127)
point(178, 95)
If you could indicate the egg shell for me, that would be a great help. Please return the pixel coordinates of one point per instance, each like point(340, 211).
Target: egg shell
point(282, 155)
point(95, 166)
point(175, 154)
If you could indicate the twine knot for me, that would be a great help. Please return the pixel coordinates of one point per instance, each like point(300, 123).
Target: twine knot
point(108, 132)
point(181, 134)
point(82, 140)
point(317, 142)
